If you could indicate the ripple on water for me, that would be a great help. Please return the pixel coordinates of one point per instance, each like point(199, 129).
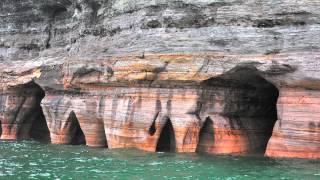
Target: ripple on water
point(32, 160)
point(155, 163)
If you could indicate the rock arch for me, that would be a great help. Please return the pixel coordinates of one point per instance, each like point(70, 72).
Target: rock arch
point(21, 111)
point(248, 111)
point(167, 140)
point(206, 137)
point(89, 112)
point(77, 136)
point(39, 129)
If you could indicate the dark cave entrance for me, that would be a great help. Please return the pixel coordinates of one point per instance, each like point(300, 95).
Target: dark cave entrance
point(206, 136)
point(34, 123)
point(39, 130)
point(106, 146)
point(250, 104)
point(77, 135)
point(167, 140)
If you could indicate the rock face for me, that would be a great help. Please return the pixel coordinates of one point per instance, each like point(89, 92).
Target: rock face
point(21, 113)
point(207, 76)
point(297, 124)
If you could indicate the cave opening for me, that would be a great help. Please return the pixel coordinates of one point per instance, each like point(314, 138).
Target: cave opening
point(104, 132)
point(206, 137)
point(77, 135)
point(39, 129)
point(250, 105)
point(30, 112)
point(167, 141)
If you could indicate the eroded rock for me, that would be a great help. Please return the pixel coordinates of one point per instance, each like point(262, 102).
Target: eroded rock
point(179, 76)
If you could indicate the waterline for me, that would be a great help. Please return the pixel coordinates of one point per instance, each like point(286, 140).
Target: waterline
point(33, 160)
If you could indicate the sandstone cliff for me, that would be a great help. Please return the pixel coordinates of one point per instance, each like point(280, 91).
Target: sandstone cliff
point(208, 76)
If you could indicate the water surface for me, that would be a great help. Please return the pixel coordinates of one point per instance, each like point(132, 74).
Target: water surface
point(33, 160)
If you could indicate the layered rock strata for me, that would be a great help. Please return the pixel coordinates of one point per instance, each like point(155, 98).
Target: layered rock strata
point(243, 114)
point(207, 76)
point(297, 124)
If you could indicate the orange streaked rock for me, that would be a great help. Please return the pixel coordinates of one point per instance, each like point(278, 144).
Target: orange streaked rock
point(296, 133)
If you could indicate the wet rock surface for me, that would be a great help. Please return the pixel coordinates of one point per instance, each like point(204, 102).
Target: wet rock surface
point(120, 73)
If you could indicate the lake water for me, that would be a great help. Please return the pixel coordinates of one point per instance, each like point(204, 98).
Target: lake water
point(33, 160)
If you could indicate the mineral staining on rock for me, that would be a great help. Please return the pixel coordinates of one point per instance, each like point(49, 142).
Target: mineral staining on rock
point(209, 76)
point(21, 113)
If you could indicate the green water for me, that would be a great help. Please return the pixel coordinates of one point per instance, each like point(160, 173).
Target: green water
point(33, 160)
